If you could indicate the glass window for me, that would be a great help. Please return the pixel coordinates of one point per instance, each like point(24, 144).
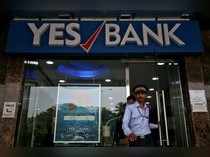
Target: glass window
point(41, 90)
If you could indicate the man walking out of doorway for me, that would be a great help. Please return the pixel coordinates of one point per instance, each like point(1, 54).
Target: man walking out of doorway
point(136, 120)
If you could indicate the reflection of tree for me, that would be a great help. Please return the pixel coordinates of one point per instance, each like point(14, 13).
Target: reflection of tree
point(106, 115)
point(26, 131)
point(120, 108)
point(111, 119)
point(43, 134)
point(119, 134)
point(44, 128)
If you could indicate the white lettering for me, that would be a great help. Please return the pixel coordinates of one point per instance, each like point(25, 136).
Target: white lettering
point(56, 34)
point(112, 34)
point(37, 32)
point(133, 38)
point(148, 32)
point(70, 29)
point(161, 34)
point(170, 35)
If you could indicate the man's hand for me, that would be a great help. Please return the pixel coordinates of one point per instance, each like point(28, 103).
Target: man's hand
point(132, 137)
point(153, 126)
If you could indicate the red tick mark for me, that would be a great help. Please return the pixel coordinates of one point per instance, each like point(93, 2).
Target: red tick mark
point(91, 40)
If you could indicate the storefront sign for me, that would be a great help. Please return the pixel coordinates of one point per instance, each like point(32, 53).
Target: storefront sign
point(104, 37)
point(198, 101)
point(9, 110)
point(78, 114)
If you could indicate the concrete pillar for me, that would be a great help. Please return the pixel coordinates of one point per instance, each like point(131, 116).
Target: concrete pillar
point(11, 90)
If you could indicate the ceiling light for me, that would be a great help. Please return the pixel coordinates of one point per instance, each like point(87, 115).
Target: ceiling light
point(31, 62)
point(62, 81)
point(155, 78)
point(50, 62)
point(111, 103)
point(126, 16)
point(151, 89)
point(110, 98)
point(108, 80)
point(149, 97)
point(160, 63)
point(176, 63)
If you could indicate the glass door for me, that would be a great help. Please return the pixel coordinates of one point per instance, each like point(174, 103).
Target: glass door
point(165, 97)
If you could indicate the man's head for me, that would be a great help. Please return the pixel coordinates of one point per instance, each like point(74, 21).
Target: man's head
point(140, 92)
point(131, 99)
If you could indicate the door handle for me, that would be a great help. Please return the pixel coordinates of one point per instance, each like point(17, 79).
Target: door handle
point(158, 116)
point(165, 118)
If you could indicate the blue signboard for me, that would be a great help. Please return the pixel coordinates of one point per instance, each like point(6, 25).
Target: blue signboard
point(78, 114)
point(104, 37)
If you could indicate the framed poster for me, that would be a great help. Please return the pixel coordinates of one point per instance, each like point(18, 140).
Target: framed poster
point(78, 113)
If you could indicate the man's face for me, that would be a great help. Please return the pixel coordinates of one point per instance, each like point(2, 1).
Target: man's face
point(140, 95)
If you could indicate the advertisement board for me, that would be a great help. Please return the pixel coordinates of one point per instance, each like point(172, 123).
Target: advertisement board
point(78, 114)
point(104, 37)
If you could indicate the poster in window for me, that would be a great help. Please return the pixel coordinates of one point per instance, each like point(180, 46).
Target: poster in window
point(78, 114)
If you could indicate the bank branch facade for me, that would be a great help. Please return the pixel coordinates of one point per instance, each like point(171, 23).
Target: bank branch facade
point(65, 81)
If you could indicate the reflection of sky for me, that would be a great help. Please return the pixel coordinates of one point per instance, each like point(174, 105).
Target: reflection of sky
point(81, 96)
point(111, 96)
point(42, 98)
point(46, 97)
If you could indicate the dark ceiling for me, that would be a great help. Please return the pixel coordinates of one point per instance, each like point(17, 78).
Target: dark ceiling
point(155, 8)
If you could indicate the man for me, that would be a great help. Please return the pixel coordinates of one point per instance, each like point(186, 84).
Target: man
point(136, 120)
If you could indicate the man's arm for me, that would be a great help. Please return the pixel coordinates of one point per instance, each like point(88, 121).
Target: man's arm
point(125, 126)
point(153, 126)
point(126, 120)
